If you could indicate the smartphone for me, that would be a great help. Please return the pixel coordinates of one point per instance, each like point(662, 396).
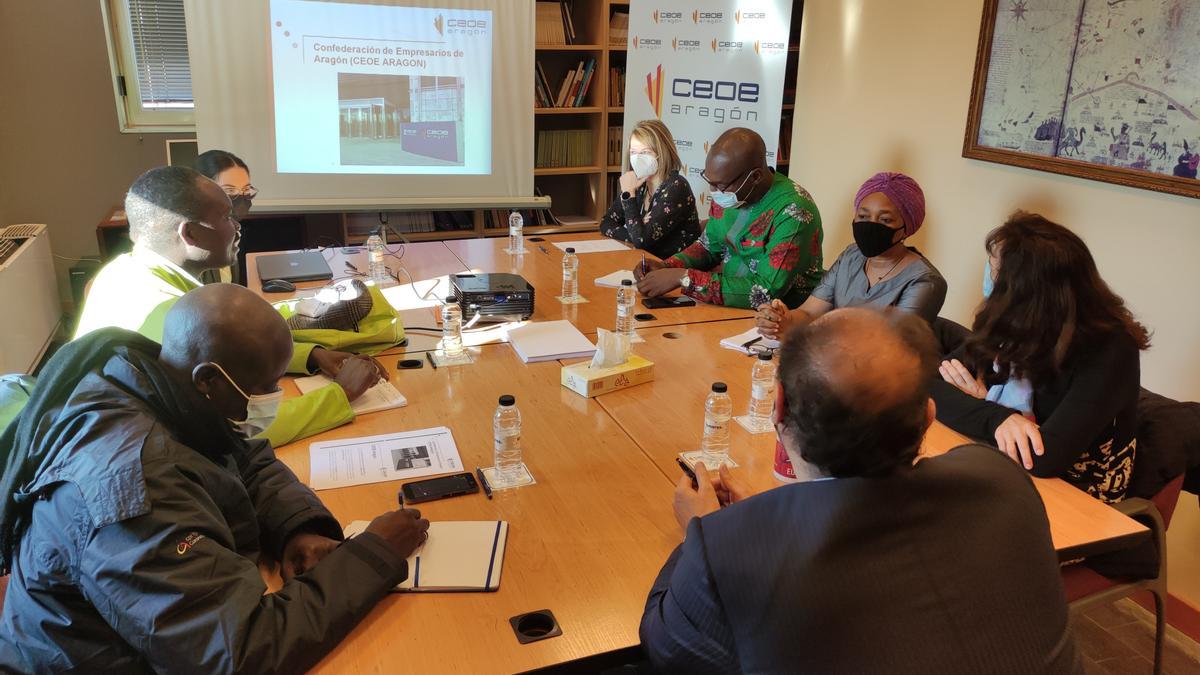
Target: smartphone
point(688, 471)
point(665, 303)
point(439, 488)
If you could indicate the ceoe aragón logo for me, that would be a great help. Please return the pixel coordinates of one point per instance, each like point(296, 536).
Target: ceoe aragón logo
point(654, 90)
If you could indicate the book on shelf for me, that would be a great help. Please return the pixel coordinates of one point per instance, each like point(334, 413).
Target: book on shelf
point(572, 91)
point(553, 23)
point(618, 29)
point(785, 137)
point(557, 148)
point(615, 137)
point(616, 85)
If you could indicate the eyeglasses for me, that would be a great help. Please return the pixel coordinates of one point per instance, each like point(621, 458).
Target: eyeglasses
point(643, 152)
point(725, 188)
point(250, 192)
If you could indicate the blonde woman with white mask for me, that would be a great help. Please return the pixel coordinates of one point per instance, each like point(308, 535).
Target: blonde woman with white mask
point(656, 210)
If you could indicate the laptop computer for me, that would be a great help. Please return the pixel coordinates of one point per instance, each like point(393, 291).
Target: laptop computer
point(295, 266)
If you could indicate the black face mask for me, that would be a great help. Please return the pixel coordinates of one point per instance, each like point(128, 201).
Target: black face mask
point(873, 238)
point(241, 207)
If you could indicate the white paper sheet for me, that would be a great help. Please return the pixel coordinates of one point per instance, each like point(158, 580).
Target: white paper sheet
point(613, 280)
point(738, 343)
point(592, 246)
point(375, 459)
point(383, 396)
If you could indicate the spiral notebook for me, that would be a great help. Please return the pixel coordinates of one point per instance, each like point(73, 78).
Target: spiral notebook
point(459, 556)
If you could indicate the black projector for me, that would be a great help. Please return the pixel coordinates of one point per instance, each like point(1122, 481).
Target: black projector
point(494, 297)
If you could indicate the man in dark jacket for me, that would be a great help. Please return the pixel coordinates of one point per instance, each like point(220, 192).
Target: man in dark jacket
point(135, 510)
point(878, 565)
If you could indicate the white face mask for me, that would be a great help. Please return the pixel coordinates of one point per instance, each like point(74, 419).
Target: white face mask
point(729, 199)
point(643, 164)
point(261, 409)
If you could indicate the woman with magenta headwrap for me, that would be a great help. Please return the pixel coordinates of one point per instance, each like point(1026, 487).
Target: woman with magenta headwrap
point(878, 268)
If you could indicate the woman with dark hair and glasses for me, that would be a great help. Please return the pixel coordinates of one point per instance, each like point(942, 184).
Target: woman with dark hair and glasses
point(1051, 370)
point(232, 174)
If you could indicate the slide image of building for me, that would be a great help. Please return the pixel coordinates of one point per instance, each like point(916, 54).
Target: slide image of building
point(400, 120)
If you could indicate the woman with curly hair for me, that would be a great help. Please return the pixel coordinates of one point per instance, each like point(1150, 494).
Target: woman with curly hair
point(1051, 370)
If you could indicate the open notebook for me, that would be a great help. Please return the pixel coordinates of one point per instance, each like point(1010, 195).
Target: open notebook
point(382, 396)
point(460, 555)
point(749, 341)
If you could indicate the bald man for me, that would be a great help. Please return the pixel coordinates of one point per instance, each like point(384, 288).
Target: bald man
point(134, 519)
point(182, 224)
point(762, 241)
point(872, 564)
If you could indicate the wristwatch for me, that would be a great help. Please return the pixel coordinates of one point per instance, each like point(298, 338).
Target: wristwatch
point(625, 196)
point(685, 282)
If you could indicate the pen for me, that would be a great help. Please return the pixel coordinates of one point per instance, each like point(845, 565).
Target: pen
point(643, 263)
point(487, 489)
point(431, 361)
point(400, 497)
point(543, 250)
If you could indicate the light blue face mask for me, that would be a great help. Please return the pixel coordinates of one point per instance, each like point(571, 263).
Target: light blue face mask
point(988, 284)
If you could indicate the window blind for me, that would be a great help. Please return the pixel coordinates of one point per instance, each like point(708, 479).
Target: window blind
point(160, 52)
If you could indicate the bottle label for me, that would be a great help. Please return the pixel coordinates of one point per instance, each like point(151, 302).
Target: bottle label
point(514, 230)
point(762, 391)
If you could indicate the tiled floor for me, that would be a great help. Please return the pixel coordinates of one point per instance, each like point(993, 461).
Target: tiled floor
point(1118, 639)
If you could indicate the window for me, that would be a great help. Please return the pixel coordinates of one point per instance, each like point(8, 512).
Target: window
point(148, 51)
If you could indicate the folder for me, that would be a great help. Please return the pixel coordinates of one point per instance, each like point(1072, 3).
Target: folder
point(459, 556)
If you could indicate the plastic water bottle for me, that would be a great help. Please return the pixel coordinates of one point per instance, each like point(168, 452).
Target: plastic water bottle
point(516, 226)
point(762, 392)
point(570, 285)
point(452, 343)
point(506, 426)
point(375, 252)
point(718, 408)
point(625, 298)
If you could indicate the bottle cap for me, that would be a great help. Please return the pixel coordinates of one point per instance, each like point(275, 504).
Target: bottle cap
point(570, 250)
point(451, 299)
point(719, 387)
point(626, 282)
point(508, 399)
point(765, 356)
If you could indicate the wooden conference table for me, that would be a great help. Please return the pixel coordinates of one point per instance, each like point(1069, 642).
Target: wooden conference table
point(587, 540)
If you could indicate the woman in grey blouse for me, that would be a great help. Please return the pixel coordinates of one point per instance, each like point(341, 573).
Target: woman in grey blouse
point(877, 269)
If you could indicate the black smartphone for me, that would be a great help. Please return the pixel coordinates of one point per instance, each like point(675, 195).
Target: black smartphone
point(439, 488)
point(665, 303)
point(688, 471)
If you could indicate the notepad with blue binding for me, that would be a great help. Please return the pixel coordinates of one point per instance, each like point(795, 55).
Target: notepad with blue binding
point(459, 556)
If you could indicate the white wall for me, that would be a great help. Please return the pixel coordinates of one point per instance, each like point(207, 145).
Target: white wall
point(63, 161)
point(884, 85)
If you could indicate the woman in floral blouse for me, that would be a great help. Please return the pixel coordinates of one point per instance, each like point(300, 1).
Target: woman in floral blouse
point(656, 210)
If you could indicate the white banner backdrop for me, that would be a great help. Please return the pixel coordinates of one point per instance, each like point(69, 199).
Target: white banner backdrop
point(705, 66)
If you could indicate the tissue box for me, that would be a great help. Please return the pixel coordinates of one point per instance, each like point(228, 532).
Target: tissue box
point(584, 380)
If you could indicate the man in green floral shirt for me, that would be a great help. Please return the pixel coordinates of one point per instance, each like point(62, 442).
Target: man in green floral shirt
point(762, 240)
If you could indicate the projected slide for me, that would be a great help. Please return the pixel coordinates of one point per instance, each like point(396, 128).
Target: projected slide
point(373, 89)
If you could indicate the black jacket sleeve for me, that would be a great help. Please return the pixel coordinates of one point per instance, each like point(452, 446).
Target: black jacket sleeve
point(170, 584)
point(1094, 393)
point(684, 629)
point(282, 503)
point(1103, 383)
point(613, 223)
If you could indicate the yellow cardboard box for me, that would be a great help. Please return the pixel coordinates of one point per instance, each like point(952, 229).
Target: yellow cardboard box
point(584, 380)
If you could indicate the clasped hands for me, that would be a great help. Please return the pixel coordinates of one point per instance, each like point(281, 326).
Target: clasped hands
point(712, 491)
point(355, 373)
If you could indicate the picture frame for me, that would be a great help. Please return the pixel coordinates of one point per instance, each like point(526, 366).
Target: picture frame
point(1116, 121)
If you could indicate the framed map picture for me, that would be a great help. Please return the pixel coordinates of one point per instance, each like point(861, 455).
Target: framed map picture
point(1101, 89)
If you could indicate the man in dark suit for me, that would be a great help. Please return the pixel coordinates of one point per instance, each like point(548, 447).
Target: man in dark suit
point(876, 565)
